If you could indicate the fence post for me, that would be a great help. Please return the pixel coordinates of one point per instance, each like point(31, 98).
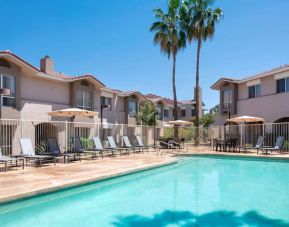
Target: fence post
point(66, 136)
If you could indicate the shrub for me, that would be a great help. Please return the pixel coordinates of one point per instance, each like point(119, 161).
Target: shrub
point(86, 143)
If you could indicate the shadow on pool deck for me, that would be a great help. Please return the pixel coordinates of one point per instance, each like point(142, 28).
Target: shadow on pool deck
point(186, 218)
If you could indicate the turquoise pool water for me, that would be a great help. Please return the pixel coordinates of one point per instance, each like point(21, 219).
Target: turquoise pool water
point(199, 191)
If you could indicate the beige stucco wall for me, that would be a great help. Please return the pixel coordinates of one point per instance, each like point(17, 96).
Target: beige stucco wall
point(270, 105)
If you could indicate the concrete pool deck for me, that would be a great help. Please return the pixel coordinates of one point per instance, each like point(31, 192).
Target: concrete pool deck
point(19, 183)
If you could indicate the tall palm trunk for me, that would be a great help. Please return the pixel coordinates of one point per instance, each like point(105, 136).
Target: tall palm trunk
point(197, 119)
point(176, 131)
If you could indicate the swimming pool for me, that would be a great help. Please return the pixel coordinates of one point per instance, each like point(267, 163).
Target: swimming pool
point(198, 191)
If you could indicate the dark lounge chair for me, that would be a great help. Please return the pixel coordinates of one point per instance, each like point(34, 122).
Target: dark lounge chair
point(77, 147)
point(278, 146)
point(9, 161)
point(127, 144)
point(258, 145)
point(28, 153)
point(176, 144)
point(112, 145)
point(55, 151)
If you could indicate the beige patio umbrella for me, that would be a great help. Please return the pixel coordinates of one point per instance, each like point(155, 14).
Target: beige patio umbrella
point(179, 122)
point(243, 120)
point(246, 119)
point(72, 112)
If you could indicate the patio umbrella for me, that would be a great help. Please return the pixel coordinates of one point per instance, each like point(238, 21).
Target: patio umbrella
point(72, 112)
point(179, 122)
point(245, 119)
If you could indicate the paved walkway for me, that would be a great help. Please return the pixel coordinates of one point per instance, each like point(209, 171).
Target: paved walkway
point(20, 183)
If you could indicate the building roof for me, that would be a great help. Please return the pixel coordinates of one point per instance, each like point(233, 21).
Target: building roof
point(270, 72)
point(57, 75)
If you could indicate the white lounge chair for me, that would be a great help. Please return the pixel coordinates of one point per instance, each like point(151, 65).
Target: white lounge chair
point(112, 145)
point(28, 153)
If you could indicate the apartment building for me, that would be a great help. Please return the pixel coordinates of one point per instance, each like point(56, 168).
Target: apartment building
point(264, 95)
point(36, 91)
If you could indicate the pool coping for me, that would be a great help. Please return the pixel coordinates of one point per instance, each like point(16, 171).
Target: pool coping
point(26, 195)
point(230, 155)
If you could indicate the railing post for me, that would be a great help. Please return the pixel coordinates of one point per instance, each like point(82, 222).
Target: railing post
point(66, 136)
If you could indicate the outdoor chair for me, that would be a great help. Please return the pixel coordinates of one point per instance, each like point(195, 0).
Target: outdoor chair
point(176, 144)
point(55, 151)
point(112, 145)
point(278, 146)
point(231, 144)
point(98, 146)
point(257, 146)
point(127, 144)
point(140, 143)
point(10, 160)
point(28, 153)
point(77, 147)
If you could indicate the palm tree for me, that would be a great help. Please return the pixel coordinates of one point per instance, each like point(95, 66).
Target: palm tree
point(198, 20)
point(171, 38)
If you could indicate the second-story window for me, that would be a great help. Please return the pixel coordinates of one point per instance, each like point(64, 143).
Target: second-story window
point(84, 100)
point(193, 112)
point(106, 101)
point(283, 85)
point(183, 113)
point(166, 113)
point(254, 91)
point(159, 112)
point(8, 82)
point(132, 107)
point(227, 98)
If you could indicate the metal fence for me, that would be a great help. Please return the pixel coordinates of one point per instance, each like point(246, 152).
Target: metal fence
point(38, 131)
point(248, 134)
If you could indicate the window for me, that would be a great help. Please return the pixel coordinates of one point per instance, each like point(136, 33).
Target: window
point(9, 83)
point(166, 113)
point(183, 113)
point(132, 107)
point(283, 85)
point(106, 101)
point(159, 112)
point(255, 91)
point(227, 98)
point(84, 99)
point(193, 112)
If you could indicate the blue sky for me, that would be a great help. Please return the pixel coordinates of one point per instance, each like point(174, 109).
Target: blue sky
point(111, 40)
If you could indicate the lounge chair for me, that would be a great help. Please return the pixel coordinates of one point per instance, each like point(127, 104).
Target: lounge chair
point(278, 146)
point(176, 144)
point(112, 145)
point(98, 146)
point(55, 151)
point(10, 160)
point(258, 145)
point(127, 144)
point(140, 144)
point(28, 153)
point(77, 147)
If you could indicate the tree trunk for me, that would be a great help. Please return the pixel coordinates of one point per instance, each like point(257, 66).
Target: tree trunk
point(197, 118)
point(176, 129)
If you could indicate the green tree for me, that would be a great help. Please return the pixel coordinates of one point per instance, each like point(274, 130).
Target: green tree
point(198, 20)
point(207, 119)
point(171, 39)
point(146, 114)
